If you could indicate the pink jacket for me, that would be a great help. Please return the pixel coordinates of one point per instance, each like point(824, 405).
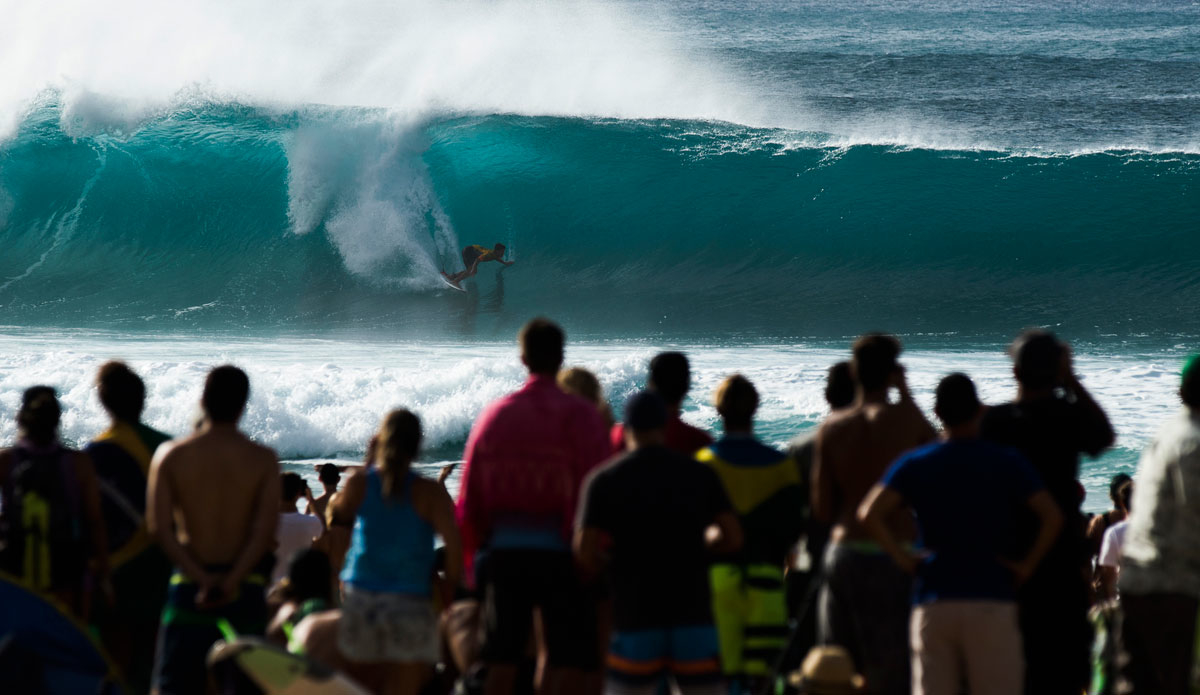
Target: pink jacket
point(526, 459)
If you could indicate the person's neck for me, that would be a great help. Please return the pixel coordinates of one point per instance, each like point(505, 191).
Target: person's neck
point(1026, 394)
point(739, 430)
point(962, 433)
point(874, 397)
point(218, 427)
point(542, 376)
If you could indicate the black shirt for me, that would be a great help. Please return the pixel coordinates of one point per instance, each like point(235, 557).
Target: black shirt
point(1051, 432)
point(654, 505)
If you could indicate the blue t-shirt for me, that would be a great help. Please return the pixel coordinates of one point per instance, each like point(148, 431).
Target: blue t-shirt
point(966, 495)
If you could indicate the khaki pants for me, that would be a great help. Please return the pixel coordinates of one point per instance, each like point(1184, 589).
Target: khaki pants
point(977, 642)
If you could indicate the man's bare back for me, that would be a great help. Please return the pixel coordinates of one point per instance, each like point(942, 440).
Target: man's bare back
point(221, 491)
point(853, 450)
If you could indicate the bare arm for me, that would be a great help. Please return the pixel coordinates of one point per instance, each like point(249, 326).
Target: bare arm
point(1051, 521)
point(444, 524)
point(589, 544)
point(1103, 437)
point(262, 529)
point(725, 535)
point(879, 504)
point(160, 507)
point(345, 503)
point(822, 480)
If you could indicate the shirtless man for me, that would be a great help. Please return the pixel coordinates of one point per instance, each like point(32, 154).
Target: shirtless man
point(214, 505)
point(472, 256)
point(864, 605)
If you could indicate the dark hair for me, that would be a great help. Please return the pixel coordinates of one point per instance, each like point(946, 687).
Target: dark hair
point(293, 487)
point(1037, 358)
point(1189, 390)
point(1126, 495)
point(310, 576)
point(121, 391)
point(956, 401)
point(225, 392)
point(542, 346)
point(329, 474)
point(500, 247)
point(399, 442)
point(737, 401)
point(1114, 486)
point(875, 360)
point(839, 386)
point(645, 411)
point(670, 377)
point(39, 414)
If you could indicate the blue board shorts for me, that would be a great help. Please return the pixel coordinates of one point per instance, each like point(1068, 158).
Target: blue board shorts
point(641, 659)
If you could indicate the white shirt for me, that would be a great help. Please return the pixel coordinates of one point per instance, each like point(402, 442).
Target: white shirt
point(295, 532)
point(1110, 547)
point(1162, 552)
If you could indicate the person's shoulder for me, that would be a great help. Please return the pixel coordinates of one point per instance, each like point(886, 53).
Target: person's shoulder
point(842, 423)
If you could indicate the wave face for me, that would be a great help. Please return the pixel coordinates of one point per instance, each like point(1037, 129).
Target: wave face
point(227, 216)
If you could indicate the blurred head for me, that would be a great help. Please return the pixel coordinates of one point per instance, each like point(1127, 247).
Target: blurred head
point(542, 343)
point(499, 248)
point(1125, 496)
point(839, 386)
point(1189, 390)
point(582, 383)
point(399, 442)
point(736, 401)
point(225, 392)
point(293, 487)
point(310, 576)
point(670, 377)
point(645, 412)
point(39, 415)
point(874, 360)
point(956, 402)
point(121, 391)
point(1037, 359)
point(329, 475)
point(1114, 487)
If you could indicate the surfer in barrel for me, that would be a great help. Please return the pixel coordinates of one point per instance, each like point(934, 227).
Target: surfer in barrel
point(472, 256)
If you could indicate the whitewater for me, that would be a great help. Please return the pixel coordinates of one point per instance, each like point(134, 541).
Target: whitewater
point(755, 182)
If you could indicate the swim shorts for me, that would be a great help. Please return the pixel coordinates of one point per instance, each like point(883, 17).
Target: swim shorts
point(751, 615)
point(469, 255)
point(378, 626)
point(187, 632)
point(639, 660)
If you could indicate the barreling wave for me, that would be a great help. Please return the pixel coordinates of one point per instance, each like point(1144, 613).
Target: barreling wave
point(228, 216)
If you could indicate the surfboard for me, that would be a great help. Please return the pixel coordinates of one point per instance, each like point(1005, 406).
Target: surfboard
point(276, 671)
point(44, 649)
point(451, 284)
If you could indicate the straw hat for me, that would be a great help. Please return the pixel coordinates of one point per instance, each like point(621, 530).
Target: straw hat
point(827, 671)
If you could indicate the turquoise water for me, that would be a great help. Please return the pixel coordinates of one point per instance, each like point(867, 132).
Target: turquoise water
point(754, 181)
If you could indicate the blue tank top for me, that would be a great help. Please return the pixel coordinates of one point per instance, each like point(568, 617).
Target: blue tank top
point(391, 547)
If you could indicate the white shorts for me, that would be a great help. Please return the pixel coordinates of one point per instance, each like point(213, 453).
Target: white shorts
point(379, 627)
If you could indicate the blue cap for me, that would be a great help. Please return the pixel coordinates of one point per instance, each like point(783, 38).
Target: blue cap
point(645, 411)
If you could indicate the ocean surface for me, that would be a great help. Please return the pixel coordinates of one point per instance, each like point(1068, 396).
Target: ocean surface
point(752, 181)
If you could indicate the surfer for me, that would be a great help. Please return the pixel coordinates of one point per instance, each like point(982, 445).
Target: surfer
point(472, 256)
